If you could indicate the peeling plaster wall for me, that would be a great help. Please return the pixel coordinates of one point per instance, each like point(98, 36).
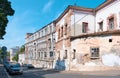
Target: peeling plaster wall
point(62, 43)
point(111, 59)
point(109, 54)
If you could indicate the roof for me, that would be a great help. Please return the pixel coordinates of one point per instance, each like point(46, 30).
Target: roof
point(75, 8)
point(107, 2)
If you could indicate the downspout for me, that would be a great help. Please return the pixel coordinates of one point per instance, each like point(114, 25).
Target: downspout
point(94, 14)
point(74, 22)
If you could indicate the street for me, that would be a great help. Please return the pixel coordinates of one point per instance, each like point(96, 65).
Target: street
point(39, 73)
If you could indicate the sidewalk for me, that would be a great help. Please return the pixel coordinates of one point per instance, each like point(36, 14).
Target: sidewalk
point(3, 73)
point(96, 73)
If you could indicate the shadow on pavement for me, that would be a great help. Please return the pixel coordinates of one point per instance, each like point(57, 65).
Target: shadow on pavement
point(3, 73)
point(36, 73)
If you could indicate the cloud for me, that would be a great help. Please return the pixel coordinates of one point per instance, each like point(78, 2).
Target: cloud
point(47, 6)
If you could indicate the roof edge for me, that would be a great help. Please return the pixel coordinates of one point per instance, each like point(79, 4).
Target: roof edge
point(104, 4)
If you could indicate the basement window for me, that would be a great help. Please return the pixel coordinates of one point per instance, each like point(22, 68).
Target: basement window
point(94, 52)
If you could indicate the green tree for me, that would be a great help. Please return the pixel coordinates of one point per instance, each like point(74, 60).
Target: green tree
point(16, 57)
point(5, 10)
point(22, 49)
point(1, 53)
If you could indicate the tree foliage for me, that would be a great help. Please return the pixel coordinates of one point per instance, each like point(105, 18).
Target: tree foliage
point(22, 49)
point(5, 10)
point(16, 57)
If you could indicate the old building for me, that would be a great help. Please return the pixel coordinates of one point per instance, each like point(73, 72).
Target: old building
point(79, 39)
point(39, 47)
point(88, 39)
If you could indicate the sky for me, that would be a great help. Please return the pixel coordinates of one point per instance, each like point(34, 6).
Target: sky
point(31, 15)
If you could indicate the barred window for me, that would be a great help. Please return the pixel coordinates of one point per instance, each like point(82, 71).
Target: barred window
point(94, 52)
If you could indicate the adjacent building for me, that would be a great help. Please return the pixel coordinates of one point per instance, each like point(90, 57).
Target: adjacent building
point(40, 47)
point(21, 59)
point(13, 52)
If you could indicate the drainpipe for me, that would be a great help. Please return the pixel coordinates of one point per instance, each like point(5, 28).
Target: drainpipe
point(74, 22)
point(94, 14)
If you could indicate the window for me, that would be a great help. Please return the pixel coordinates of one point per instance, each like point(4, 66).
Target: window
point(41, 55)
point(74, 53)
point(38, 54)
point(46, 31)
point(65, 56)
point(42, 33)
point(51, 54)
point(58, 33)
point(101, 26)
point(61, 31)
point(50, 29)
point(111, 23)
point(110, 40)
point(45, 54)
point(84, 27)
point(49, 43)
point(65, 29)
point(94, 52)
point(39, 34)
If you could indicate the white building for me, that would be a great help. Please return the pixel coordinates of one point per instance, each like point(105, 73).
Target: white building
point(21, 59)
point(39, 47)
point(13, 52)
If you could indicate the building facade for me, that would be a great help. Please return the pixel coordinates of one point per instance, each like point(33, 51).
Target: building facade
point(92, 37)
point(39, 47)
point(79, 39)
point(21, 59)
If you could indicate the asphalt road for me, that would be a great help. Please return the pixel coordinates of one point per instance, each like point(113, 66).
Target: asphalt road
point(39, 73)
